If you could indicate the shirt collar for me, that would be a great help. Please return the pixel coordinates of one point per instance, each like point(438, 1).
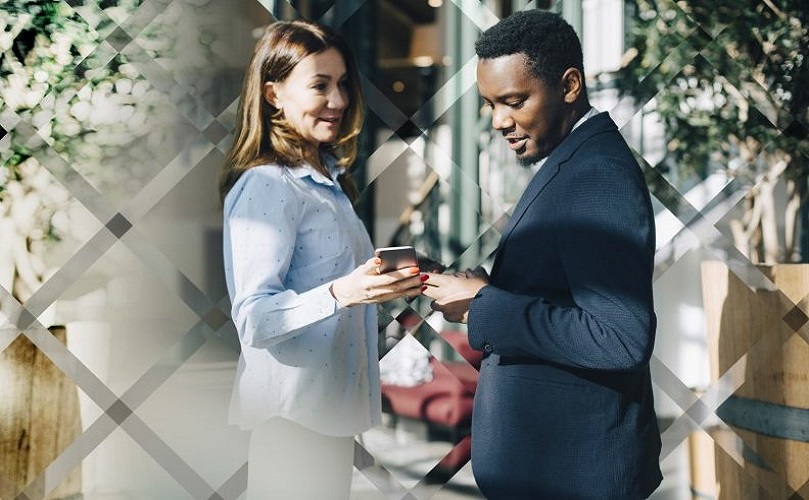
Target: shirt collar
point(589, 114)
point(307, 170)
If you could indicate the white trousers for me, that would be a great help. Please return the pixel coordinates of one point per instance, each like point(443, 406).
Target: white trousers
point(287, 461)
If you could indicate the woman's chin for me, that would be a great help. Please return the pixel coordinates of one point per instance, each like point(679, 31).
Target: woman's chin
point(326, 138)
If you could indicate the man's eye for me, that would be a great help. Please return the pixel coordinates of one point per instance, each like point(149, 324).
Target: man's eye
point(516, 104)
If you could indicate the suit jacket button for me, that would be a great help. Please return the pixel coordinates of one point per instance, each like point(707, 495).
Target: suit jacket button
point(487, 347)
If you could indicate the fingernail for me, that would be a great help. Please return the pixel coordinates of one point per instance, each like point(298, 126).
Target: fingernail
point(423, 287)
point(424, 277)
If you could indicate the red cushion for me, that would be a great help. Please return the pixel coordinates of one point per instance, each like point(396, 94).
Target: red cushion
point(457, 457)
point(446, 400)
point(460, 342)
point(467, 375)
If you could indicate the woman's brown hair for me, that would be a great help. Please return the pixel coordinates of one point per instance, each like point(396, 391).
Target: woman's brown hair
point(262, 134)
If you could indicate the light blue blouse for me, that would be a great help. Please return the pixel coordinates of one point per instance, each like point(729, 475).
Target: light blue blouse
point(288, 233)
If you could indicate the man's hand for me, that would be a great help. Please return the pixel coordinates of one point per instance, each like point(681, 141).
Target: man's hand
point(452, 293)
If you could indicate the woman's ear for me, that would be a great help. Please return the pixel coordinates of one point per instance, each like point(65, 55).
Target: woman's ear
point(271, 94)
point(572, 84)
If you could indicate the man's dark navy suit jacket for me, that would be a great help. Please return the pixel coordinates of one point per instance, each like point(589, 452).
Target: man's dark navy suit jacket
point(564, 406)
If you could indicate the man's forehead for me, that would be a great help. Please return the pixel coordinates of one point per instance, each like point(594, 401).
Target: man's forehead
point(503, 72)
point(514, 58)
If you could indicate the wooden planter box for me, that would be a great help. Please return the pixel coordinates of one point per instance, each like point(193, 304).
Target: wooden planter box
point(39, 419)
point(770, 410)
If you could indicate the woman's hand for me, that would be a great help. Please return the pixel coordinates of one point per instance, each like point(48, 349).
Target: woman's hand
point(366, 286)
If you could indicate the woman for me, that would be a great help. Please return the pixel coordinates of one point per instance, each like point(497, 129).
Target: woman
point(300, 268)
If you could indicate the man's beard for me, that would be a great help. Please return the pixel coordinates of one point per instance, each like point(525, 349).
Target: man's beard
point(528, 160)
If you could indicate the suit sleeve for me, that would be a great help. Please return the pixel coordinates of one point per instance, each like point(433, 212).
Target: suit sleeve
point(605, 240)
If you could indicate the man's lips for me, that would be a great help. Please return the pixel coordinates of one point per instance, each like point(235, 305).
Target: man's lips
point(516, 143)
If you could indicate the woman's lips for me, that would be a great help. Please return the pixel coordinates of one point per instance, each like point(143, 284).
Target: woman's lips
point(332, 121)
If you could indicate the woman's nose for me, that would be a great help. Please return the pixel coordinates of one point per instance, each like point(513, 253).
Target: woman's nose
point(338, 99)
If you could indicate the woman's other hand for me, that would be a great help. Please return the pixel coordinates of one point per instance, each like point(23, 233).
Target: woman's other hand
point(364, 285)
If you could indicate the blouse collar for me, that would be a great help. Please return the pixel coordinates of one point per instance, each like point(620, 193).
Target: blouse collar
point(306, 169)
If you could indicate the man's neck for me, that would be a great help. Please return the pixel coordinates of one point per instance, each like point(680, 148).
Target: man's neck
point(580, 108)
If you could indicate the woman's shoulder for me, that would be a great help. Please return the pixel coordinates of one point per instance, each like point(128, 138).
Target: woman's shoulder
point(266, 171)
point(265, 179)
point(266, 174)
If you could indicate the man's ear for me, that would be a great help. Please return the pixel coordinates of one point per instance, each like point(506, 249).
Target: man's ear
point(572, 85)
point(271, 94)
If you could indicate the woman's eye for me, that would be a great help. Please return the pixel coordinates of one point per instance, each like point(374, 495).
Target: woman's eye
point(319, 86)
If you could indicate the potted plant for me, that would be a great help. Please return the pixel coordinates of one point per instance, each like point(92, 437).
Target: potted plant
point(70, 103)
point(729, 82)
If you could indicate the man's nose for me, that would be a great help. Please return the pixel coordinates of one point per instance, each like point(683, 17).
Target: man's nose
point(501, 119)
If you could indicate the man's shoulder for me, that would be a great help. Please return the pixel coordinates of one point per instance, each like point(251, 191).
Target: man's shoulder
point(598, 136)
point(600, 124)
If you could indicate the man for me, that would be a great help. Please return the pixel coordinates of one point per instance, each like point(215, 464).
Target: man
point(564, 405)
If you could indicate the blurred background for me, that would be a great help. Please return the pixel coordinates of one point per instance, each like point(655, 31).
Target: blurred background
point(117, 355)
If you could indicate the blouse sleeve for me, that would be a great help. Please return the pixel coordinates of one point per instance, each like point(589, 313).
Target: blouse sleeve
point(260, 237)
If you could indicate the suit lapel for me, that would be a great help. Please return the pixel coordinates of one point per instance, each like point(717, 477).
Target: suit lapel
point(534, 188)
point(595, 125)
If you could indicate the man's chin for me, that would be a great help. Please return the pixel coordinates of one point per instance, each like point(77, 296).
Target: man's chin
point(527, 159)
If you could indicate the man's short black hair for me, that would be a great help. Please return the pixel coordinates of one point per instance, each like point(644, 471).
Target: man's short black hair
point(547, 40)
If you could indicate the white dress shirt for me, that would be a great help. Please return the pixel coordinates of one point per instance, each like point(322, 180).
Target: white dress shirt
point(288, 233)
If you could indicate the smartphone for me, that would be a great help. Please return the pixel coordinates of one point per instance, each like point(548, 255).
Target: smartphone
point(394, 258)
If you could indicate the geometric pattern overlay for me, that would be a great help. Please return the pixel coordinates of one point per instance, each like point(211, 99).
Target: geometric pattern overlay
point(127, 224)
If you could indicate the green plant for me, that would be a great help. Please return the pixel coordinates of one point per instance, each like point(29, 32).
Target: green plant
point(61, 94)
point(730, 83)
point(83, 89)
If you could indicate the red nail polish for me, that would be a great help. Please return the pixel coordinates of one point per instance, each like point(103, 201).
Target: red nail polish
point(424, 277)
point(423, 287)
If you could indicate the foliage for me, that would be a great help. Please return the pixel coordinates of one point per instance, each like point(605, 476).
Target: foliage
point(61, 88)
point(61, 94)
point(85, 88)
point(730, 83)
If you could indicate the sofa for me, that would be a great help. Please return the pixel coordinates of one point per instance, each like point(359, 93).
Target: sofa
point(445, 402)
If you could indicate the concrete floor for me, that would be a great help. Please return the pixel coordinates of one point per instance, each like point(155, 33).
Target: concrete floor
point(404, 455)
